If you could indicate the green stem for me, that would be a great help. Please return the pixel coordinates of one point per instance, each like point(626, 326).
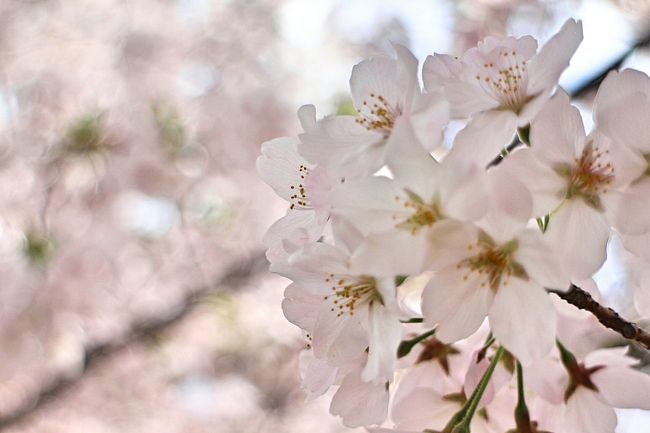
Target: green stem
point(406, 346)
point(462, 420)
point(522, 416)
point(524, 134)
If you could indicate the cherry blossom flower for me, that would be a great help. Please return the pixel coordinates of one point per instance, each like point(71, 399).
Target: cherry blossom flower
point(384, 90)
point(304, 186)
point(502, 84)
point(581, 181)
point(403, 213)
point(502, 279)
point(346, 312)
point(582, 399)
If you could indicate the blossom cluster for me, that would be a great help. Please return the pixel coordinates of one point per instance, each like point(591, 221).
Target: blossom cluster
point(397, 257)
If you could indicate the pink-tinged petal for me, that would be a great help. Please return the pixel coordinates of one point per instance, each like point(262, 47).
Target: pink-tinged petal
point(438, 69)
point(412, 166)
point(338, 339)
point(381, 76)
point(467, 98)
point(484, 137)
point(557, 133)
point(612, 357)
point(637, 245)
point(628, 163)
point(618, 86)
point(462, 190)
point(384, 335)
point(280, 166)
point(407, 256)
point(580, 232)
point(360, 403)
point(642, 295)
point(429, 117)
point(345, 234)
point(321, 258)
point(529, 111)
point(301, 307)
point(457, 305)
point(449, 240)
point(553, 58)
point(546, 187)
point(317, 376)
point(510, 206)
point(423, 409)
point(628, 211)
point(337, 141)
point(624, 120)
point(374, 204)
point(407, 73)
point(548, 378)
point(307, 117)
point(623, 387)
point(585, 412)
point(523, 319)
point(542, 264)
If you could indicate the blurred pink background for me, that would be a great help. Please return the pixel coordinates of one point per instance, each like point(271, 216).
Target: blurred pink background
point(134, 296)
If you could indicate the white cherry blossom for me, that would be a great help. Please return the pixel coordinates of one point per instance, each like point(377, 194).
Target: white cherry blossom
point(501, 84)
point(384, 90)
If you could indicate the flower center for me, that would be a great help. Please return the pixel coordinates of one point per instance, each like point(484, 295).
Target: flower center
point(298, 198)
point(378, 115)
point(505, 78)
point(424, 214)
point(494, 263)
point(589, 176)
point(348, 293)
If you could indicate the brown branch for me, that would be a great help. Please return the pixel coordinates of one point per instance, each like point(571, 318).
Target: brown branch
point(608, 317)
point(140, 331)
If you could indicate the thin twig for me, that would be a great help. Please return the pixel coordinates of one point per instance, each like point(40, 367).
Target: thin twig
point(608, 317)
point(234, 276)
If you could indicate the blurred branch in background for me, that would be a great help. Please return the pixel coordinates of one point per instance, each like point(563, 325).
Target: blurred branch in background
point(233, 277)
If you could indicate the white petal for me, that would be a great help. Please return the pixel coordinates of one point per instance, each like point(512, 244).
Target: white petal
point(384, 335)
point(307, 116)
point(580, 232)
point(339, 142)
point(339, 339)
point(317, 376)
point(397, 252)
point(586, 413)
point(553, 58)
point(279, 165)
point(623, 121)
point(457, 305)
point(623, 387)
point(370, 204)
point(629, 211)
point(462, 190)
point(542, 264)
point(410, 163)
point(301, 307)
point(429, 117)
point(360, 403)
point(466, 99)
point(484, 137)
point(523, 319)
point(557, 131)
point(548, 378)
point(617, 86)
point(423, 409)
point(547, 188)
point(380, 76)
point(439, 69)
